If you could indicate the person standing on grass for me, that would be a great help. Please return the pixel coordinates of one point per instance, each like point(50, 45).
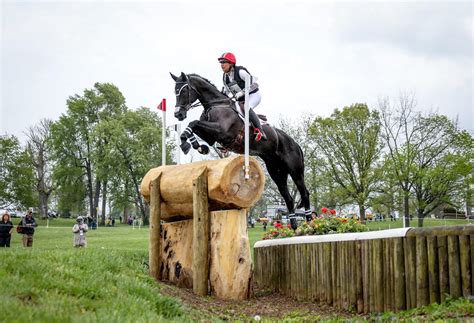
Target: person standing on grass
point(6, 229)
point(79, 229)
point(28, 225)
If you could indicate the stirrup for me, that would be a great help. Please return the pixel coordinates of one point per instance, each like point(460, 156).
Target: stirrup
point(258, 134)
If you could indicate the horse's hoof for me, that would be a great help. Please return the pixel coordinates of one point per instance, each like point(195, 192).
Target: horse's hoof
point(203, 149)
point(185, 147)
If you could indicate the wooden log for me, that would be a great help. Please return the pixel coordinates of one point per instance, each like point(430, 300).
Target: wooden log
point(227, 187)
point(328, 264)
point(201, 232)
point(177, 255)
point(231, 266)
point(410, 271)
point(433, 271)
point(400, 277)
point(388, 275)
point(471, 238)
point(442, 242)
point(378, 271)
point(366, 274)
point(358, 273)
point(154, 253)
point(465, 259)
point(372, 286)
point(422, 289)
point(454, 267)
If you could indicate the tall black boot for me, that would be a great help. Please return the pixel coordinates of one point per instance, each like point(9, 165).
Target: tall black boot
point(256, 123)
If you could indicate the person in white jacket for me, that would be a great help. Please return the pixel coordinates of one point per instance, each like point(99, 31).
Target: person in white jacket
point(234, 84)
point(79, 229)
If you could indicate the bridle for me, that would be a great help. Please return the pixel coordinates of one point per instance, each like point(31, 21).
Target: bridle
point(188, 106)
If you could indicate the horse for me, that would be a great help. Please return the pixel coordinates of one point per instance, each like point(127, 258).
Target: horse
point(220, 123)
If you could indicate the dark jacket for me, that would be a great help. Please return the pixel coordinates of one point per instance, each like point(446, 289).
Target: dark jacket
point(5, 228)
point(28, 225)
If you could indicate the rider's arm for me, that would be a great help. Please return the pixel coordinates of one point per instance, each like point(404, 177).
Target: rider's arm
point(243, 74)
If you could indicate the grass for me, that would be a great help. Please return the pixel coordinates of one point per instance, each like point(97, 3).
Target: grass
point(109, 281)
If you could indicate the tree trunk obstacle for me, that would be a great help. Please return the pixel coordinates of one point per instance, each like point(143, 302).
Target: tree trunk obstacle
point(378, 271)
point(204, 243)
point(227, 187)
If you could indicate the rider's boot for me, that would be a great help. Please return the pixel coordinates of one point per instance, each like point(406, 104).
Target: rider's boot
point(256, 123)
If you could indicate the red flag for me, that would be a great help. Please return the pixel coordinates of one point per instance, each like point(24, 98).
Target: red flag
point(162, 105)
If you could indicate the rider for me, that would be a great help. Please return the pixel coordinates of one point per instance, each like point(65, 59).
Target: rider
point(234, 83)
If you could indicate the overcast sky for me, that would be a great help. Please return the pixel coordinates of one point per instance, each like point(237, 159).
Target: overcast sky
point(309, 57)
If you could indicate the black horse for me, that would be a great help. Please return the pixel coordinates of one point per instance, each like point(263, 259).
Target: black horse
point(221, 123)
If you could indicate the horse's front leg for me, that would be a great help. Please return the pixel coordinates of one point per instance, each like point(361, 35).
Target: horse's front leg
point(185, 146)
point(188, 133)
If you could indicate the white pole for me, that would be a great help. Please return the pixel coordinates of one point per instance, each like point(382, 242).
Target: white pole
point(178, 150)
point(163, 140)
point(247, 107)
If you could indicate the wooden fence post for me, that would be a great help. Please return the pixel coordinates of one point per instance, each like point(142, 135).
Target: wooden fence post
point(155, 229)
point(201, 227)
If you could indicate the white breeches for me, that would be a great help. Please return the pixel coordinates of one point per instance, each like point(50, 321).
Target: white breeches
point(254, 100)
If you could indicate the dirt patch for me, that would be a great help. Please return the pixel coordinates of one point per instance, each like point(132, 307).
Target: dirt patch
point(264, 303)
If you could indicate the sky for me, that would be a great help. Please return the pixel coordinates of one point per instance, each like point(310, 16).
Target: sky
point(309, 57)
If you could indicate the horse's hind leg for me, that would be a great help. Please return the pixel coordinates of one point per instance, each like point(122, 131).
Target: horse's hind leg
point(304, 193)
point(280, 176)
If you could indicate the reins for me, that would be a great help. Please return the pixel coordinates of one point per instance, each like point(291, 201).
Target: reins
point(197, 104)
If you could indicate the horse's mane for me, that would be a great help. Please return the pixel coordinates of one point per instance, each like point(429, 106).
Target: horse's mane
point(203, 78)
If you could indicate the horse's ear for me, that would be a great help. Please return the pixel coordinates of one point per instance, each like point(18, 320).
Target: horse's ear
point(173, 76)
point(183, 76)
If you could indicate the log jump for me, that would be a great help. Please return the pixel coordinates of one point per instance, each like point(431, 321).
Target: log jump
point(204, 243)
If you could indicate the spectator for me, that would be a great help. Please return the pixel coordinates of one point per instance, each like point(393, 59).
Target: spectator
point(6, 229)
point(264, 225)
point(79, 229)
point(28, 225)
point(113, 221)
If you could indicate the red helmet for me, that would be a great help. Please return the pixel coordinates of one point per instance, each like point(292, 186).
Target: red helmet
point(227, 57)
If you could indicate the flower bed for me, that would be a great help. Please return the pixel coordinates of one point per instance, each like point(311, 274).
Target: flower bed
point(318, 226)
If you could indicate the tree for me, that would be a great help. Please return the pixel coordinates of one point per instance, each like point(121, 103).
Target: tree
point(134, 147)
point(442, 163)
point(16, 174)
point(76, 143)
point(350, 144)
point(38, 146)
point(427, 158)
point(398, 132)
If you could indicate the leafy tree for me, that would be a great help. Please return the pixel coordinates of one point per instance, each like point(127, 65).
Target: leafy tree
point(16, 174)
point(443, 161)
point(349, 142)
point(134, 147)
point(38, 145)
point(76, 143)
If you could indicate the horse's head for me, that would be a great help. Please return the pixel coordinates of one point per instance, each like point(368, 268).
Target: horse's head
point(186, 94)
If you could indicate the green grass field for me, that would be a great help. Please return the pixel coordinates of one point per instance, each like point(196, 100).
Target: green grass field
point(107, 282)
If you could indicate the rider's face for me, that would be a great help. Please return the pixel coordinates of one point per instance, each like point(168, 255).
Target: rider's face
point(226, 67)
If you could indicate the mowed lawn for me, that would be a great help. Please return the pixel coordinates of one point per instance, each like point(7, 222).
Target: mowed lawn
point(107, 282)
